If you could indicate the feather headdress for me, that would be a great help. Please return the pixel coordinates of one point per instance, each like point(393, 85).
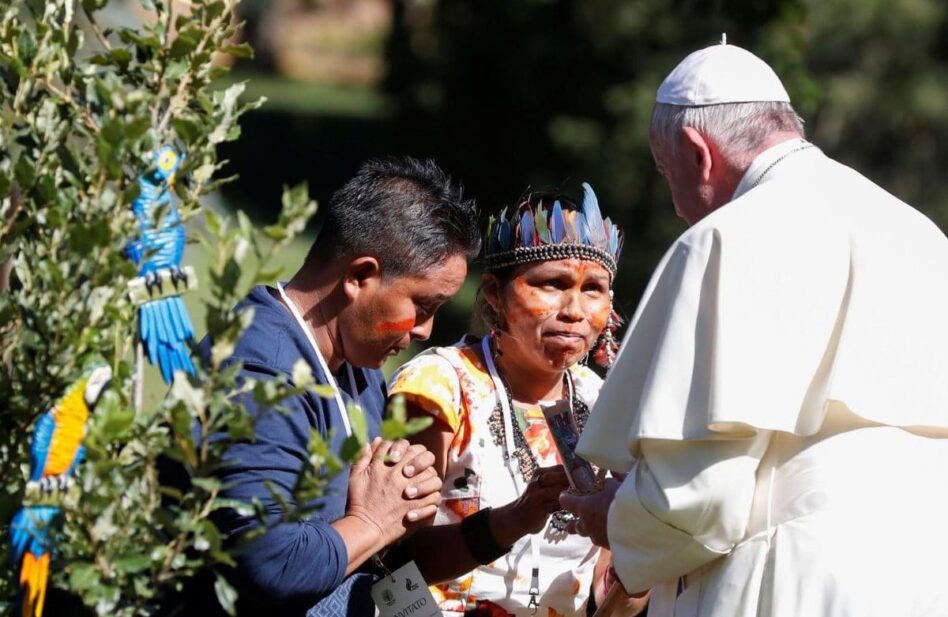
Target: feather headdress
point(544, 232)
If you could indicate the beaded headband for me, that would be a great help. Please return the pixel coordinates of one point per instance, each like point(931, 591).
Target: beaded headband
point(545, 233)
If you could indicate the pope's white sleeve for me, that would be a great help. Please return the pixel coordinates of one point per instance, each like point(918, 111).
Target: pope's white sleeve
point(683, 504)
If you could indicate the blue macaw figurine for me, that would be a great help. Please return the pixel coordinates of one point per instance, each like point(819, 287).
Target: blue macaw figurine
point(164, 326)
point(56, 451)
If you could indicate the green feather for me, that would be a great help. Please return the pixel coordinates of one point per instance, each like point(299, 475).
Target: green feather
point(543, 229)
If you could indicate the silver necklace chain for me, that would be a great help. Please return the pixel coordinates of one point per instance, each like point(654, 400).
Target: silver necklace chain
point(760, 178)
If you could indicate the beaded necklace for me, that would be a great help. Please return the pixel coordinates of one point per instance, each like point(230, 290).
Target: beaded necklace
point(526, 459)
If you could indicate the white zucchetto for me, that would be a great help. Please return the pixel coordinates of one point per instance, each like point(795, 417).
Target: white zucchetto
point(721, 74)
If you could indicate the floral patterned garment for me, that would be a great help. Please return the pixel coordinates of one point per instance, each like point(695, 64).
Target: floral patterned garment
point(453, 385)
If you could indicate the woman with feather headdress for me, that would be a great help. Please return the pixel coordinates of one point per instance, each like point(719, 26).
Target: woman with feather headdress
point(499, 544)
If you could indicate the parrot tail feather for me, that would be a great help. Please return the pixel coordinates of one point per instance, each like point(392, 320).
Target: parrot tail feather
point(34, 573)
point(165, 330)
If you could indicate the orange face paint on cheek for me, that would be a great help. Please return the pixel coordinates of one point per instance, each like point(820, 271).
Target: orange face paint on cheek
point(395, 327)
point(528, 301)
point(598, 319)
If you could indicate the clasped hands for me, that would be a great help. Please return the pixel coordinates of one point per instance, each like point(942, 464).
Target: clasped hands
point(392, 486)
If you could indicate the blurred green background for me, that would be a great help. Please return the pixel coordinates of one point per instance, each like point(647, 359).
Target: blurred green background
point(513, 94)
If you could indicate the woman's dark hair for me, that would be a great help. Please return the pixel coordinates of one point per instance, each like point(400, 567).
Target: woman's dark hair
point(408, 213)
point(484, 316)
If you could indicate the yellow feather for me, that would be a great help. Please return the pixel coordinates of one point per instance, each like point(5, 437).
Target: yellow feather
point(70, 414)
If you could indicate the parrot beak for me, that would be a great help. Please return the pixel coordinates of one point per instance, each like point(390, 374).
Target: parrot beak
point(98, 382)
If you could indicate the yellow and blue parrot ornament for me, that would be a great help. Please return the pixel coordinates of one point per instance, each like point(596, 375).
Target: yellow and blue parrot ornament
point(164, 326)
point(56, 451)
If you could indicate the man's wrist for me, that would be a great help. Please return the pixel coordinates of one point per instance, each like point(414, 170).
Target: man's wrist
point(368, 527)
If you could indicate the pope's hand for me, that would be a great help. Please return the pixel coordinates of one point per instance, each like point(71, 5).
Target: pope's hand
point(592, 512)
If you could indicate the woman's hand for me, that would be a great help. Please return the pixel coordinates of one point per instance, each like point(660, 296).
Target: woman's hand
point(528, 514)
point(391, 486)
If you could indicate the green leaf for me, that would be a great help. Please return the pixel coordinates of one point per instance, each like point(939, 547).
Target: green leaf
point(25, 46)
point(180, 420)
point(351, 448)
point(93, 5)
point(131, 563)
point(416, 425)
point(276, 232)
point(115, 420)
point(83, 576)
point(212, 10)
point(209, 484)
point(240, 507)
point(24, 171)
point(324, 390)
point(188, 129)
point(221, 350)
point(175, 70)
point(213, 221)
point(226, 595)
point(241, 426)
point(302, 374)
point(321, 457)
point(121, 56)
point(244, 50)
point(392, 430)
point(184, 43)
point(182, 390)
point(142, 41)
point(360, 427)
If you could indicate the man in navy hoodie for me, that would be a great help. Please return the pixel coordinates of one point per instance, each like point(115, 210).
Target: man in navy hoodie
point(394, 246)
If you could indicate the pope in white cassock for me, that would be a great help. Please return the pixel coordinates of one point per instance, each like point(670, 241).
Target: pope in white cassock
point(780, 402)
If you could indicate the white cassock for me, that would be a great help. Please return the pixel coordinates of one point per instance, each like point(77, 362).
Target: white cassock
point(780, 404)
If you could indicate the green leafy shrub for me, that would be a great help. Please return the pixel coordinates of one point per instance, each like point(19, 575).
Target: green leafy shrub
point(82, 109)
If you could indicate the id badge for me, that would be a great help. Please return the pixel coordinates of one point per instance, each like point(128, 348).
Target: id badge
point(404, 593)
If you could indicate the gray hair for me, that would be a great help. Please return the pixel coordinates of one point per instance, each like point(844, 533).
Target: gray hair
point(738, 129)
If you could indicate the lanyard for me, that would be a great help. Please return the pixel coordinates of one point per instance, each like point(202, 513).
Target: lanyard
point(337, 394)
point(513, 468)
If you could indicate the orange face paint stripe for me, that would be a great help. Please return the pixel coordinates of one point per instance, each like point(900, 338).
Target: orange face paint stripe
point(395, 327)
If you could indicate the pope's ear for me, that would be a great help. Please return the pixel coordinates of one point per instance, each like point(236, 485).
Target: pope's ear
point(361, 274)
point(697, 152)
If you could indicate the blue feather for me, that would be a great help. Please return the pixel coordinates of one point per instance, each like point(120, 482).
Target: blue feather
point(165, 330)
point(77, 460)
point(557, 224)
point(583, 230)
point(526, 229)
point(42, 438)
point(593, 217)
point(505, 235)
point(30, 530)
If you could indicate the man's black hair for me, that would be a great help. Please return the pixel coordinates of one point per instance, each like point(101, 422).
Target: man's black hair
point(406, 212)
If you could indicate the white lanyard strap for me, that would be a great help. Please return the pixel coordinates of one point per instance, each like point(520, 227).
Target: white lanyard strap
point(511, 462)
point(507, 414)
point(337, 394)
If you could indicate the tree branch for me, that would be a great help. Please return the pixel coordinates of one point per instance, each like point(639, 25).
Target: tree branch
point(94, 25)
